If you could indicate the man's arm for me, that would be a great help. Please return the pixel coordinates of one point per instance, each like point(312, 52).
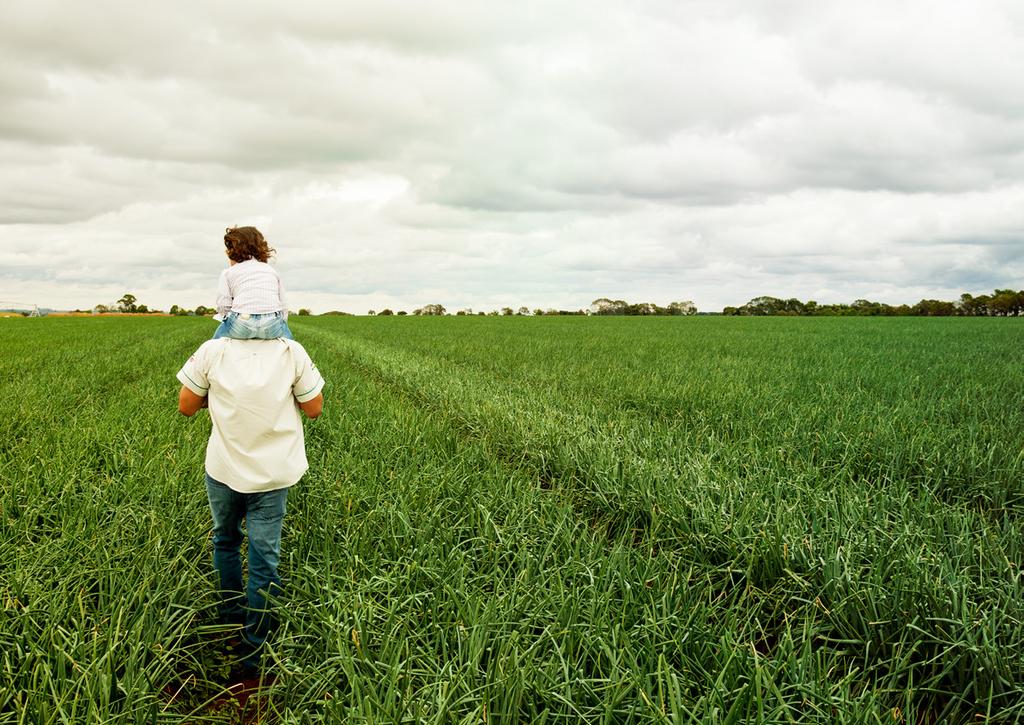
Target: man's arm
point(312, 408)
point(308, 385)
point(189, 403)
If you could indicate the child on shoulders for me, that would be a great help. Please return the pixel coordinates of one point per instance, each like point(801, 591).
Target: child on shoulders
point(250, 295)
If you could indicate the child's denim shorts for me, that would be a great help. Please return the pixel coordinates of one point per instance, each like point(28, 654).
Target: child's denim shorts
point(244, 326)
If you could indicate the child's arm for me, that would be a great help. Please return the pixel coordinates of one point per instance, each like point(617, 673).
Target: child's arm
point(224, 297)
point(280, 294)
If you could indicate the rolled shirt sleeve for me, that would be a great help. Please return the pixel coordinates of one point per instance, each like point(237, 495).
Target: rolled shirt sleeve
point(308, 381)
point(194, 373)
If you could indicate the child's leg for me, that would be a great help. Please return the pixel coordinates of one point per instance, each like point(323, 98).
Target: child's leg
point(272, 327)
point(234, 328)
point(223, 330)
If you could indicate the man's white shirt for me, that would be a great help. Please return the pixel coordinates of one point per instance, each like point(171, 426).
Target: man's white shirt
point(256, 442)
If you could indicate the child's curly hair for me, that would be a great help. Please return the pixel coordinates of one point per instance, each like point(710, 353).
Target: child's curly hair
point(245, 243)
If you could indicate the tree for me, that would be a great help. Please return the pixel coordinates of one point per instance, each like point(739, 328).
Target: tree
point(523, 310)
point(763, 305)
point(506, 311)
point(203, 311)
point(934, 308)
point(866, 307)
point(600, 306)
point(793, 306)
point(385, 313)
point(401, 313)
point(686, 307)
point(127, 302)
point(1006, 302)
point(538, 312)
point(434, 310)
point(605, 306)
point(100, 309)
point(641, 308)
point(371, 313)
point(304, 312)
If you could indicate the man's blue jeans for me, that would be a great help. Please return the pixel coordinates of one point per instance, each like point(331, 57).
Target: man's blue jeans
point(263, 514)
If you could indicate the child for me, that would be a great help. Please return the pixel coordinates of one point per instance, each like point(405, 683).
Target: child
point(250, 296)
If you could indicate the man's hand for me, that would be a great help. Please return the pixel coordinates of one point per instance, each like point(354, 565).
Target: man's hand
point(312, 408)
point(189, 403)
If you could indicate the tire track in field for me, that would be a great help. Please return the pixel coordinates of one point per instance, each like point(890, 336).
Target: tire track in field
point(560, 451)
point(691, 508)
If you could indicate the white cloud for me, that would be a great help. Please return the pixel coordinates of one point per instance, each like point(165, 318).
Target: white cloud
point(486, 154)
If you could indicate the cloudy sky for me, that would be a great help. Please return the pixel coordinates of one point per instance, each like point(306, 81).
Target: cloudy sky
point(482, 154)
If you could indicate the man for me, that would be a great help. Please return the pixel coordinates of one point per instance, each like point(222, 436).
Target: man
point(254, 390)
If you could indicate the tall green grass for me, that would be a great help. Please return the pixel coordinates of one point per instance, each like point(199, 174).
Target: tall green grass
point(551, 519)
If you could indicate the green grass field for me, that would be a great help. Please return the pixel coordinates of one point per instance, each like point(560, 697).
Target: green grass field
point(535, 520)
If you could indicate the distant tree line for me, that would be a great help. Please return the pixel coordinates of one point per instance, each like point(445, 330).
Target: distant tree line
point(605, 306)
point(436, 310)
point(601, 306)
point(520, 312)
point(129, 304)
point(200, 311)
point(1001, 303)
